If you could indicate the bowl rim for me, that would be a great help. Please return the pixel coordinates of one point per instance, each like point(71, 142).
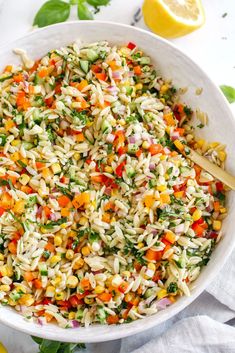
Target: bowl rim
point(181, 304)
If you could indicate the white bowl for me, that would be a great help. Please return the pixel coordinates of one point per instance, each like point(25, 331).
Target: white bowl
point(172, 63)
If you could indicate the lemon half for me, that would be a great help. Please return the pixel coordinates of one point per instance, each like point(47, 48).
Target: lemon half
point(2, 348)
point(173, 18)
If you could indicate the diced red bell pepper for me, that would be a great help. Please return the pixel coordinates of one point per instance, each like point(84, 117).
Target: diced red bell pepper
point(131, 46)
point(120, 169)
point(219, 186)
point(2, 210)
point(74, 301)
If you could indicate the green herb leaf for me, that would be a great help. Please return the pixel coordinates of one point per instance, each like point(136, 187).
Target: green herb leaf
point(53, 11)
point(48, 346)
point(97, 3)
point(229, 93)
point(83, 12)
point(38, 340)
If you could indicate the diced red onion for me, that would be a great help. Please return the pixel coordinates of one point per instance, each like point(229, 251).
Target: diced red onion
point(132, 139)
point(112, 89)
point(179, 228)
point(110, 138)
point(53, 217)
point(117, 75)
point(131, 73)
point(166, 150)
point(40, 322)
point(163, 303)
point(75, 323)
point(175, 136)
point(39, 211)
point(151, 166)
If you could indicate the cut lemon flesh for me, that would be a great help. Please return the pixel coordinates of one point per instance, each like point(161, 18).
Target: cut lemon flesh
point(173, 18)
point(2, 348)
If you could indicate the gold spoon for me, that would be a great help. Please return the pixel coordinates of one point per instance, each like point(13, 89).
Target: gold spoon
point(204, 163)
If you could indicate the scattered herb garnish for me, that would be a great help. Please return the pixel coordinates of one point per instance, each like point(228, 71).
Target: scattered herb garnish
point(229, 93)
point(47, 346)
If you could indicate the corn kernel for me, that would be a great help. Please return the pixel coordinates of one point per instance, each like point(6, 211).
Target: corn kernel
point(72, 234)
point(222, 155)
point(138, 86)
point(86, 251)
point(89, 300)
point(26, 299)
point(24, 179)
point(126, 273)
point(56, 168)
point(69, 254)
point(15, 156)
point(57, 281)
point(146, 145)
point(11, 302)
point(179, 145)
point(3, 270)
point(77, 156)
point(1, 257)
point(140, 245)
point(162, 293)
point(214, 144)
point(46, 173)
point(99, 289)
point(108, 169)
point(200, 143)
point(161, 187)
point(55, 259)
point(122, 122)
point(15, 143)
point(57, 240)
point(223, 210)
point(19, 206)
point(5, 288)
point(20, 288)
point(197, 215)
point(152, 266)
point(72, 282)
point(50, 291)
point(72, 315)
point(78, 264)
point(162, 157)
point(217, 225)
point(83, 221)
point(60, 296)
point(128, 297)
point(164, 88)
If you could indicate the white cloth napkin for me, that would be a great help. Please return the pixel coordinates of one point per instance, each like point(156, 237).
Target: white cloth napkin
point(200, 328)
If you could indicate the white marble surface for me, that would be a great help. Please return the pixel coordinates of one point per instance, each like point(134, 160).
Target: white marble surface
point(213, 47)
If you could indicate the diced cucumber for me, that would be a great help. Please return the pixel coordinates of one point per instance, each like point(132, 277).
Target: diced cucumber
point(132, 148)
point(106, 127)
point(181, 263)
point(149, 292)
point(129, 90)
point(43, 269)
point(3, 140)
point(27, 145)
point(79, 314)
point(145, 60)
point(92, 55)
point(84, 65)
point(101, 315)
point(130, 171)
point(4, 78)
